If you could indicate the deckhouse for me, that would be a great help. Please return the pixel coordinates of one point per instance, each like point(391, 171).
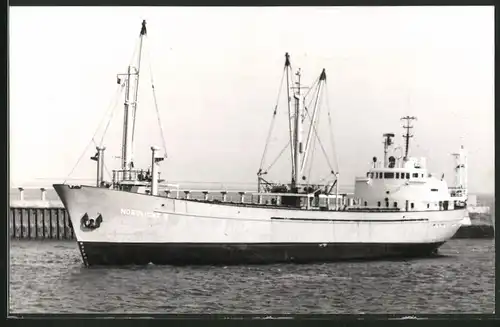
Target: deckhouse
point(405, 183)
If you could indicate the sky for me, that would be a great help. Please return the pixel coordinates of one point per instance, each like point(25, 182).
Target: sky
point(217, 72)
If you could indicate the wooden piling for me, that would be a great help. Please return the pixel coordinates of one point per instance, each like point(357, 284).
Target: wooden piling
point(43, 220)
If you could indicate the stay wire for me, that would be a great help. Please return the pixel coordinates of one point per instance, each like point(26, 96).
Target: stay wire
point(92, 139)
point(272, 121)
point(156, 105)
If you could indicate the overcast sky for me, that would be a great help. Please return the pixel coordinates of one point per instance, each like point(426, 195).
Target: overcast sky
point(217, 72)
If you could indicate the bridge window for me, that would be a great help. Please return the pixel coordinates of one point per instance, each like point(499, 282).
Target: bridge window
point(388, 175)
point(415, 175)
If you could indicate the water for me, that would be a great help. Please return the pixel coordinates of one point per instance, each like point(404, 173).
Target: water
point(48, 277)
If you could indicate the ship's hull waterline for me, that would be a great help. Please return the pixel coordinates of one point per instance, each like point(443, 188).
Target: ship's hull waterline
point(130, 228)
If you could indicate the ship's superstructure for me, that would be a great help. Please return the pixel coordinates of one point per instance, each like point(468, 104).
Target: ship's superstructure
point(398, 208)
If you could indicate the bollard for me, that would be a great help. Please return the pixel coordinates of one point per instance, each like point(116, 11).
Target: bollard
point(205, 195)
point(21, 193)
point(42, 195)
point(224, 196)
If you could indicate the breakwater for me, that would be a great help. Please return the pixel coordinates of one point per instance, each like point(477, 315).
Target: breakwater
point(39, 220)
point(48, 219)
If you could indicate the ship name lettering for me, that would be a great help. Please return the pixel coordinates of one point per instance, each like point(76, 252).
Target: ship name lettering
point(138, 213)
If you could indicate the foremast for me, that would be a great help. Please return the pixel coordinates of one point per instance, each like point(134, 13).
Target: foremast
point(130, 108)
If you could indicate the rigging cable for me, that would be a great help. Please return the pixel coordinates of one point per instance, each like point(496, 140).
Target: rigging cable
point(95, 133)
point(106, 128)
point(156, 106)
point(313, 120)
point(321, 145)
point(279, 155)
point(332, 139)
point(272, 122)
point(312, 87)
point(134, 109)
point(289, 113)
point(317, 106)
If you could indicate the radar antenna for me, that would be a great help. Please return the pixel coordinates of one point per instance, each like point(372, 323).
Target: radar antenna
point(407, 136)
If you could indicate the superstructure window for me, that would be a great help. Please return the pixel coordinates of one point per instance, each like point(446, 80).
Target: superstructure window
point(407, 175)
point(397, 175)
point(395, 204)
point(371, 175)
point(388, 175)
point(415, 175)
point(366, 203)
point(367, 174)
point(422, 176)
point(412, 205)
point(434, 189)
point(378, 203)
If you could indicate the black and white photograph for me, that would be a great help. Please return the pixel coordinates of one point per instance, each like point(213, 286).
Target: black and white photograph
point(251, 160)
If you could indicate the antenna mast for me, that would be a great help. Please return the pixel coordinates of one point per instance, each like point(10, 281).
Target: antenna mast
point(407, 136)
point(130, 107)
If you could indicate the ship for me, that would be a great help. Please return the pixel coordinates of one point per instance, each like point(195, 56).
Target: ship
point(397, 210)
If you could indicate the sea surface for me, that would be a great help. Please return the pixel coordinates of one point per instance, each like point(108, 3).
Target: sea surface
point(49, 277)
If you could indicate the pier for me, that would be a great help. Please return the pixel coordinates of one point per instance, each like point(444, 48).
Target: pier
point(43, 219)
point(39, 220)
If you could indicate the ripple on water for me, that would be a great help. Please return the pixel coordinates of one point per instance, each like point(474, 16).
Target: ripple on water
point(48, 277)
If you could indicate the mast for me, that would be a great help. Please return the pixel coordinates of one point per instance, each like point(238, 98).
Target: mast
point(306, 149)
point(461, 171)
point(297, 144)
point(407, 136)
point(387, 144)
point(132, 85)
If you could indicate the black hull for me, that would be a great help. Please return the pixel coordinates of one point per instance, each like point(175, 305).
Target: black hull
point(118, 254)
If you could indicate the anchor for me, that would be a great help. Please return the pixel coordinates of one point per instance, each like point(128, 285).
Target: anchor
point(90, 224)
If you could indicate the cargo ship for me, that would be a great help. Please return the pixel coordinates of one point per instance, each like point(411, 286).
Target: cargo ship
point(398, 209)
